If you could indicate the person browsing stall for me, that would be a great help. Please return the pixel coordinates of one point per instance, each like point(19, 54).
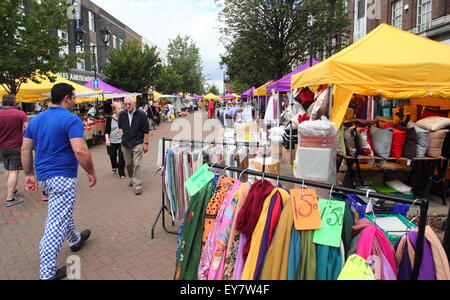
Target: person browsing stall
point(114, 141)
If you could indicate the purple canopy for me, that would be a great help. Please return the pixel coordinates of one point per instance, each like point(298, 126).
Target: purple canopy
point(284, 84)
point(178, 95)
point(228, 96)
point(197, 96)
point(248, 94)
point(105, 87)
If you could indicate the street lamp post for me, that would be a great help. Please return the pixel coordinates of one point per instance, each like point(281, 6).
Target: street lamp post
point(80, 36)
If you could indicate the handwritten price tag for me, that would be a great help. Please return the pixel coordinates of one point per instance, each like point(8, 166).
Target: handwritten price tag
point(306, 210)
point(199, 180)
point(332, 214)
point(356, 268)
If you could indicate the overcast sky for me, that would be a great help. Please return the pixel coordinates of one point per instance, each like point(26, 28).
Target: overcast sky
point(162, 20)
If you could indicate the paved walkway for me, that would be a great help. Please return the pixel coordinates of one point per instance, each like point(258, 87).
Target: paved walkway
point(120, 246)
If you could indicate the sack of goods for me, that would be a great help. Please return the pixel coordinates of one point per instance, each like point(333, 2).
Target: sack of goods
point(316, 154)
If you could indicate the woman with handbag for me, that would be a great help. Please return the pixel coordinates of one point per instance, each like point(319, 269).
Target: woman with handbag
point(114, 141)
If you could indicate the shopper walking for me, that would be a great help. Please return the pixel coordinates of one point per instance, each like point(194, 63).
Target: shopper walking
point(114, 141)
point(12, 123)
point(134, 128)
point(57, 138)
point(211, 109)
point(152, 115)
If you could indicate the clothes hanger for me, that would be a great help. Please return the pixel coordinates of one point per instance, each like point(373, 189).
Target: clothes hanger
point(240, 176)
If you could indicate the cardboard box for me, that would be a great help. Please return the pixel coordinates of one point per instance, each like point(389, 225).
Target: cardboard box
point(272, 166)
point(286, 158)
point(277, 149)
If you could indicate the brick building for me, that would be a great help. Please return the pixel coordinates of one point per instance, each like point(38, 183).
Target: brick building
point(428, 18)
point(92, 19)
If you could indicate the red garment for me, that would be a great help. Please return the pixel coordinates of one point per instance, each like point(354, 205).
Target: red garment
point(11, 127)
point(303, 118)
point(276, 213)
point(249, 215)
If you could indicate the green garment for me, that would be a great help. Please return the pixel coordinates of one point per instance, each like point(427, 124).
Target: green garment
point(347, 231)
point(308, 256)
point(190, 247)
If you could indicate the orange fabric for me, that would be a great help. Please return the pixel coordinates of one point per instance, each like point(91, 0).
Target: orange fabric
point(224, 185)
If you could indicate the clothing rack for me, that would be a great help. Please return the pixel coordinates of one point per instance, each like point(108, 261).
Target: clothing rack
point(422, 203)
point(161, 212)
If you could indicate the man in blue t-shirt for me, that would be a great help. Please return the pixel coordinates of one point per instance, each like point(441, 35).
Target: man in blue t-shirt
point(57, 138)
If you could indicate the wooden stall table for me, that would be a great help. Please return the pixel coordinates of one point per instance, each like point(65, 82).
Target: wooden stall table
point(437, 165)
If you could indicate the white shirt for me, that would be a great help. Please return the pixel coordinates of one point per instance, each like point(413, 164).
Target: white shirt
point(130, 116)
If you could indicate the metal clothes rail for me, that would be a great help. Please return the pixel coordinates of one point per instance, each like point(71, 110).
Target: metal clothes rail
point(164, 208)
point(422, 203)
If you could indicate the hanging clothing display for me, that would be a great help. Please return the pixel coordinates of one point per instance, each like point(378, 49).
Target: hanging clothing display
point(240, 231)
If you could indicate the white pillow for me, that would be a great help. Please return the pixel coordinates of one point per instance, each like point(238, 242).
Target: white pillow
point(434, 123)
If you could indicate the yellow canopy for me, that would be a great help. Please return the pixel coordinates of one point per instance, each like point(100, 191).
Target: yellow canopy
point(236, 95)
point(156, 94)
point(387, 62)
point(211, 96)
point(262, 91)
point(32, 92)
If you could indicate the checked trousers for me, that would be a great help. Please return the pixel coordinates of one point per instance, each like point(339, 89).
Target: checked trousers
point(59, 225)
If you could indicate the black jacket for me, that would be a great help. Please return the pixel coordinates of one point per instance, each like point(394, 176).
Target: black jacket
point(134, 135)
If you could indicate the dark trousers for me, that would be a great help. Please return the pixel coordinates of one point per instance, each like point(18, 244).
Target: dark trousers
point(114, 151)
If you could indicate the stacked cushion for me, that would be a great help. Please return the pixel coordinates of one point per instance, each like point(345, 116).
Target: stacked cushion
point(437, 139)
point(364, 141)
point(382, 141)
point(434, 123)
point(423, 139)
point(398, 142)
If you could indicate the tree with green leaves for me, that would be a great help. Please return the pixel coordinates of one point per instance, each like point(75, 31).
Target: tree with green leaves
point(133, 68)
point(169, 81)
point(212, 88)
point(28, 45)
point(184, 57)
point(266, 39)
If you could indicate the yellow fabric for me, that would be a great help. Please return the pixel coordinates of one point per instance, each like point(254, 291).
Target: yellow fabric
point(32, 92)
point(277, 258)
point(442, 103)
point(388, 62)
point(262, 91)
point(156, 94)
point(236, 95)
point(257, 236)
point(342, 97)
point(211, 96)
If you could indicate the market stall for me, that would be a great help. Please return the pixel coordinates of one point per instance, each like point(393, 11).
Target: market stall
point(387, 70)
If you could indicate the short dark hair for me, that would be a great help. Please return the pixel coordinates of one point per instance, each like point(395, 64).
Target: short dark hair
point(60, 91)
point(9, 100)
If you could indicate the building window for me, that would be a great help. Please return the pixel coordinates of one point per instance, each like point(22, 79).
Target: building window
point(91, 21)
point(424, 8)
point(360, 27)
point(64, 49)
point(114, 42)
point(81, 64)
point(397, 14)
point(120, 43)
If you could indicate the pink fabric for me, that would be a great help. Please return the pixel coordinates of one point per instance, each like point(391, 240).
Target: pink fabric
point(240, 261)
point(208, 252)
point(366, 243)
point(221, 238)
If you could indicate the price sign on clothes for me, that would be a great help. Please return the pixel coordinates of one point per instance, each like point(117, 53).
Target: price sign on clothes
point(356, 268)
point(306, 210)
point(199, 180)
point(332, 214)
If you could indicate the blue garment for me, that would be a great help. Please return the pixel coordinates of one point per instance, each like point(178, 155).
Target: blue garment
point(232, 111)
point(59, 225)
point(51, 132)
point(294, 254)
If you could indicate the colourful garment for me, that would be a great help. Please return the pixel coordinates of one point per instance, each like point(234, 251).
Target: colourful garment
point(251, 212)
point(240, 261)
point(273, 217)
point(294, 254)
point(277, 258)
point(307, 270)
point(329, 262)
point(251, 262)
point(214, 205)
point(218, 238)
point(190, 247)
point(233, 240)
